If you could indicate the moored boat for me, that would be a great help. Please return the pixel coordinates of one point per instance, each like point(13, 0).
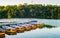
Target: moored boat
point(11, 31)
point(34, 26)
point(18, 28)
point(40, 25)
point(2, 33)
point(28, 27)
point(21, 29)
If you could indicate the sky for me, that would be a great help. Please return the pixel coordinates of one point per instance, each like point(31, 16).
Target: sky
point(16, 2)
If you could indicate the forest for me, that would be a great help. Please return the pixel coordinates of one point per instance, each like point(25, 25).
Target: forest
point(30, 11)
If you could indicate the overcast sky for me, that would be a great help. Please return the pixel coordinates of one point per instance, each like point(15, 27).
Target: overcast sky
point(14, 2)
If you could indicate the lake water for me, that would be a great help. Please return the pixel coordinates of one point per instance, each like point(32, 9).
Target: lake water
point(39, 32)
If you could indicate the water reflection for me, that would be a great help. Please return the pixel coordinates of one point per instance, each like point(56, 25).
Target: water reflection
point(11, 33)
point(45, 26)
point(38, 33)
point(2, 37)
point(33, 31)
point(47, 31)
point(50, 26)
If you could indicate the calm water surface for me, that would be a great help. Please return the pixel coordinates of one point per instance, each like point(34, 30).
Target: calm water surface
point(39, 32)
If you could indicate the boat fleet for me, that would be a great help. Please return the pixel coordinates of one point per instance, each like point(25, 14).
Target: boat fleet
point(12, 28)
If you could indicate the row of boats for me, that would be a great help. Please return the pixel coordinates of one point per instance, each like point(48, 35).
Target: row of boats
point(14, 28)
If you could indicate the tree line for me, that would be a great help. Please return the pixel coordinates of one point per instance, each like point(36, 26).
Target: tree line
point(30, 11)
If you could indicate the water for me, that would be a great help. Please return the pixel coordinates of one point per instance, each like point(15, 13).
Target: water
point(39, 32)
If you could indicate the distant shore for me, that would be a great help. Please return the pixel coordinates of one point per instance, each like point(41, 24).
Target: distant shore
point(38, 11)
